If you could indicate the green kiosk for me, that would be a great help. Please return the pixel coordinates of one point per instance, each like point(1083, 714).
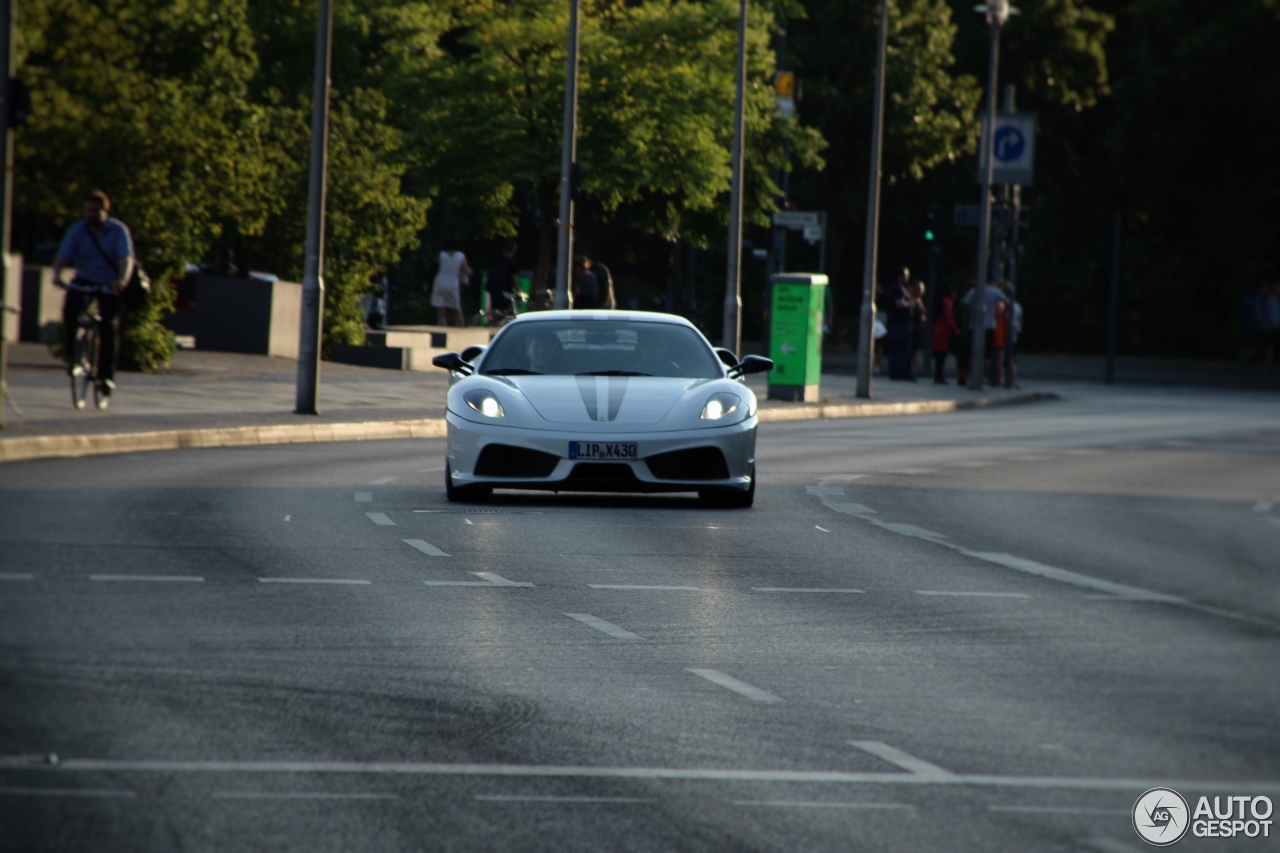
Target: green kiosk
point(795, 335)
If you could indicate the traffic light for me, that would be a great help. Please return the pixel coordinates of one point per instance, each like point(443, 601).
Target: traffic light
point(928, 235)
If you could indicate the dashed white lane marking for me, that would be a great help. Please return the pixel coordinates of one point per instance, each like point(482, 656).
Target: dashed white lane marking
point(824, 490)
point(728, 682)
point(1063, 576)
point(823, 529)
point(971, 464)
point(907, 530)
point(1263, 506)
point(297, 795)
point(973, 594)
point(364, 497)
point(381, 519)
point(425, 547)
point(149, 578)
point(555, 771)
point(908, 762)
point(457, 583)
point(1059, 810)
point(607, 627)
point(637, 586)
point(383, 481)
point(789, 804)
point(851, 509)
point(316, 580)
point(16, 576)
point(65, 792)
point(522, 798)
point(498, 580)
point(802, 589)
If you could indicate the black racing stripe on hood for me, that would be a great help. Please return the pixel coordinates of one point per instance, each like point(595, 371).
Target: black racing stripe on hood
point(587, 388)
point(617, 390)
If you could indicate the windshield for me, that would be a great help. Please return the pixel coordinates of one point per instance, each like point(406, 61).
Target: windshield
point(600, 348)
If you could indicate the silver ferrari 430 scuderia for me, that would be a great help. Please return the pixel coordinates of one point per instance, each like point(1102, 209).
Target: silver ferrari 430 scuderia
point(601, 401)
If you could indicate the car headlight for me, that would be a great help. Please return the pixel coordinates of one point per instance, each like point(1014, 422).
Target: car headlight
point(719, 406)
point(485, 403)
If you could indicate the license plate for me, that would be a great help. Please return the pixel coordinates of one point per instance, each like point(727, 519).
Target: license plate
point(602, 450)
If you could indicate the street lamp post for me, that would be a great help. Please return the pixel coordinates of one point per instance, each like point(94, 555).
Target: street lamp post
point(997, 12)
point(568, 157)
point(732, 334)
point(867, 321)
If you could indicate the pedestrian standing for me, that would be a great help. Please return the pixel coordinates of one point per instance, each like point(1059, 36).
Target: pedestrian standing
point(898, 310)
point(586, 287)
point(503, 281)
point(100, 249)
point(944, 329)
point(919, 325)
point(446, 289)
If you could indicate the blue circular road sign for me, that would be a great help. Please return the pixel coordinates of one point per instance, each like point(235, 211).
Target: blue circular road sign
point(1009, 144)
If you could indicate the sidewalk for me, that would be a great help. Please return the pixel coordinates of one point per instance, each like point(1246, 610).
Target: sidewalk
point(209, 399)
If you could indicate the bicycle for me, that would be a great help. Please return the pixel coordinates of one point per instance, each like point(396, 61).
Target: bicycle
point(84, 352)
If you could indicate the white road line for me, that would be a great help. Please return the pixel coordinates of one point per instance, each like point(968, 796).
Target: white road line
point(789, 804)
point(65, 792)
point(973, 594)
point(16, 576)
point(297, 795)
point(364, 497)
point(149, 578)
point(381, 519)
point(823, 529)
point(457, 583)
point(910, 471)
point(316, 580)
point(637, 586)
point(1263, 506)
point(728, 682)
point(554, 771)
point(522, 798)
point(1059, 810)
point(383, 481)
point(824, 490)
point(907, 530)
point(607, 627)
point(425, 547)
point(1063, 576)
point(971, 464)
point(499, 580)
point(430, 470)
point(850, 509)
point(893, 755)
point(802, 589)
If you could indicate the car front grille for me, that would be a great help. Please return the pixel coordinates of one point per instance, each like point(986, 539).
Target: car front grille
point(613, 472)
point(503, 460)
point(695, 463)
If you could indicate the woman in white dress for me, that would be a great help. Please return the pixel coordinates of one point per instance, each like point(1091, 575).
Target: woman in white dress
point(446, 289)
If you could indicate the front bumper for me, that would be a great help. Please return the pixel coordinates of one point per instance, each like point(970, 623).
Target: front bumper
point(735, 442)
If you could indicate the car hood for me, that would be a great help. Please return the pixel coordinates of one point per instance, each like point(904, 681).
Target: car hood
point(604, 399)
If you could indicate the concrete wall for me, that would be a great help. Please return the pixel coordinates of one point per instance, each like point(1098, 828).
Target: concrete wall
point(243, 315)
point(41, 302)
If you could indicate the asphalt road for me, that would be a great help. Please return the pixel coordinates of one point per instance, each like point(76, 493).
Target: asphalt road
point(985, 631)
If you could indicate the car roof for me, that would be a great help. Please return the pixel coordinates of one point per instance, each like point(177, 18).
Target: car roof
point(591, 315)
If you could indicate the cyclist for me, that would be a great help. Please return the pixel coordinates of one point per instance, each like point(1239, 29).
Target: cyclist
point(100, 249)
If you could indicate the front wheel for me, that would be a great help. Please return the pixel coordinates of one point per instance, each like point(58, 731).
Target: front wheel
point(462, 494)
point(84, 351)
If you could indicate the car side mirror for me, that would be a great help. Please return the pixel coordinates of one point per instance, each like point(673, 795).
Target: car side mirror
point(726, 356)
point(751, 364)
point(471, 353)
point(453, 361)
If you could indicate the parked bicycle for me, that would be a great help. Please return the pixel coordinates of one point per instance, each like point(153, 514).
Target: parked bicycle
point(82, 342)
point(518, 303)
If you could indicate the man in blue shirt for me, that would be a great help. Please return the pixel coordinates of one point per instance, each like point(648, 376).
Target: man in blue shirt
point(100, 249)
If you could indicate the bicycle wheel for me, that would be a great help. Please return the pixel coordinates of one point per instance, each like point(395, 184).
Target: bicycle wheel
point(84, 362)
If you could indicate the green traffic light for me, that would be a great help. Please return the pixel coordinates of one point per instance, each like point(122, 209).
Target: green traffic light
point(928, 235)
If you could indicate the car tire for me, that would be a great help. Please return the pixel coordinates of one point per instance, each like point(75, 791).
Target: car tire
point(462, 494)
point(731, 498)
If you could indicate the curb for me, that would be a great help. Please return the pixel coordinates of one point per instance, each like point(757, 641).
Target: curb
point(53, 446)
point(920, 407)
